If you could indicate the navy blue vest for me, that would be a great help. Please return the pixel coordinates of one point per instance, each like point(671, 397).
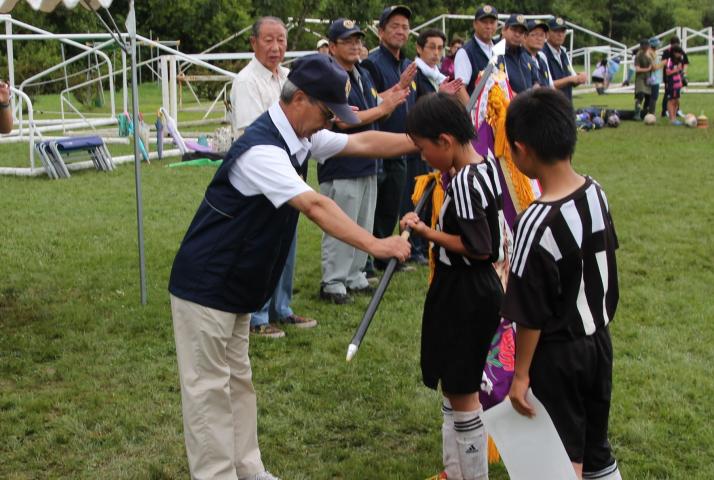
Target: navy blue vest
point(520, 68)
point(363, 95)
point(541, 70)
point(479, 61)
point(557, 71)
point(385, 70)
point(424, 86)
point(236, 246)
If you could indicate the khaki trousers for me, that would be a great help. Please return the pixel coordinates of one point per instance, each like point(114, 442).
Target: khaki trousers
point(217, 394)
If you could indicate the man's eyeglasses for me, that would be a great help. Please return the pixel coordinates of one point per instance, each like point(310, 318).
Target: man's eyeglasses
point(327, 114)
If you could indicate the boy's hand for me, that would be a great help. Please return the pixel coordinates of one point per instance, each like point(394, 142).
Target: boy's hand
point(517, 395)
point(412, 220)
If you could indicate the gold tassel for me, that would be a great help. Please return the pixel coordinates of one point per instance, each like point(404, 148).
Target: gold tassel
point(437, 200)
point(493, 455)
point(496, 117)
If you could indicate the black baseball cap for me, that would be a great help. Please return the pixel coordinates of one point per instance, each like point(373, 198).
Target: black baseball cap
point(533, 24)
point(342, 28)
point(516, 20)
point(393, 10)
point(557, 23)
point(322, 79)
point(486, 11)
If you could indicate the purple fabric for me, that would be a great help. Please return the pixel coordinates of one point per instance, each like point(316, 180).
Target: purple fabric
point(197, 147)
point(500, 365)
point(483, 143)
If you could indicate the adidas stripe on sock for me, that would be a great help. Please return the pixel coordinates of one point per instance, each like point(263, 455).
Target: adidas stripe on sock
point(472, 443)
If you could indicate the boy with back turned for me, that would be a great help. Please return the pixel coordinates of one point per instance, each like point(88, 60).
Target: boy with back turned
point(562, 289)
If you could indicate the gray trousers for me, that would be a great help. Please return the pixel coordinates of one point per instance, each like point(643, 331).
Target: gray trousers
point(342, 264)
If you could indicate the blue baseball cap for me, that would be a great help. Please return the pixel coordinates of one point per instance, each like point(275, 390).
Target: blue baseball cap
point(517, 20)
point(557, 23)
point(533, 24)
point(486, 11)
point(342, 28)
point(321, 78)
point(393, 10)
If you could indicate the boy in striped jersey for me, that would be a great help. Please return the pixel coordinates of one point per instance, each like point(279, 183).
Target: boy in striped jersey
point(562, 289)
point(461, 311)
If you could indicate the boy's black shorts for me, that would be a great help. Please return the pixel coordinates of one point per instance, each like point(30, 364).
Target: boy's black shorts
point(573, 380)
point(461, 315)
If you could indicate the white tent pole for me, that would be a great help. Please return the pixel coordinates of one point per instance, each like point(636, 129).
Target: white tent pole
point(131, 27)
point(10, 62)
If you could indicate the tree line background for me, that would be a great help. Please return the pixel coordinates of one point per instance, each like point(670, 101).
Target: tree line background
point(199, 24)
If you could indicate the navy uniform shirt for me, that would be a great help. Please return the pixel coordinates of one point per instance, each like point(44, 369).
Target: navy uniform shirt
point(522, 72)
point(363, 94)
point(385, 71)
point(559, 69)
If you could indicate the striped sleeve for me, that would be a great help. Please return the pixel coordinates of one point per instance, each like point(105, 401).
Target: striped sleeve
point(533, 286)
point(469, 198)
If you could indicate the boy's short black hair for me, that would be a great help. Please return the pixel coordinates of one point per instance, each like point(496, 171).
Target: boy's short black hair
point(439, 113)
point(544, 120)
point(676, 49)
point(427, 34)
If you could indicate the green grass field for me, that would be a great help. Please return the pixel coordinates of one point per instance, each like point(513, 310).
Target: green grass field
point(88, 378)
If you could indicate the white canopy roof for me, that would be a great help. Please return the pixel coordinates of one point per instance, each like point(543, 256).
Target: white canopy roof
point(48, 5)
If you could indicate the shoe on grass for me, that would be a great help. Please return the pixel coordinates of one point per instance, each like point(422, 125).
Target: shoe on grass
point(677, 123)
point(298, 321)
point(267, 330)
point(336, 298)
point(264, 475)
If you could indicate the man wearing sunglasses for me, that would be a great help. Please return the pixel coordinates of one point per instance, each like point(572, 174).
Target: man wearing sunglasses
point(235, 249)
point(352, 181)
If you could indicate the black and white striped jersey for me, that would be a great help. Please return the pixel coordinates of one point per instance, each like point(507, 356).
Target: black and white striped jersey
point(473, 208)
point(563, 278)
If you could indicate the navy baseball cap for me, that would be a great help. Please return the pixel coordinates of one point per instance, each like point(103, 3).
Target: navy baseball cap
point(557, 23)
point(516, 20)
point(393, 10)
point(321, 78)
point(342, 28)
point(533, 24)
point(486, 11)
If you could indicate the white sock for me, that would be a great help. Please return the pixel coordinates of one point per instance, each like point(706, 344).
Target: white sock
point(450, 449)
point(607, 473)
point(472, 442)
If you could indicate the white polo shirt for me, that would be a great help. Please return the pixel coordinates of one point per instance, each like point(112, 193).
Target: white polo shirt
point(267, 170)
point(253, 91)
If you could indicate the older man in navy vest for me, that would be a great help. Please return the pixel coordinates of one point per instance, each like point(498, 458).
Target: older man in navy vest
point(352, 181)
point(235, 249)
point(562, 72)
point(477, 52)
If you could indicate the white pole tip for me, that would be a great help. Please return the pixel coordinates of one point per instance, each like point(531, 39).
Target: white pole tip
point(351, 351)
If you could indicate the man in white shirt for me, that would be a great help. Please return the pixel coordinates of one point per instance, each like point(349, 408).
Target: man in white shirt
point(256, 88)
point(258, 85)
point(231, 257)
point(476, 53)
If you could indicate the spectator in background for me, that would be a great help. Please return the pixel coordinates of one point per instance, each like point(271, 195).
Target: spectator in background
point(363, 52)
point(447, 65)
point(599, 76)
point(656, 76)
point(666, 54)
point(352, 181)
point(477, 52)
point(563, 74)
point(5, 110)
point(389, 66)
point(674, 71)
point(256, 88)
point(519, 67)
point(643, 67)
point(535, 41)
point(323, 46)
